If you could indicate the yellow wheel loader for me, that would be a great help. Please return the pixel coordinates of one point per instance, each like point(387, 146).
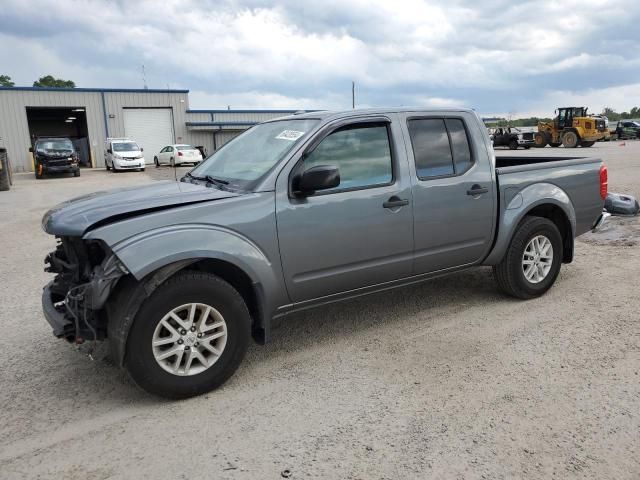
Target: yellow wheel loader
point(573, 127)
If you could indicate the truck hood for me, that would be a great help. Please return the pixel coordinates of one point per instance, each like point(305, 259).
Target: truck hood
point(74, 217)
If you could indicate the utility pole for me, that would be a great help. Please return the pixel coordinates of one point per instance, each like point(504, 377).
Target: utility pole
point(353, 95)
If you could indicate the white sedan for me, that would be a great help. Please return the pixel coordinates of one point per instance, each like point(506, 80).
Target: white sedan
point(177, 154)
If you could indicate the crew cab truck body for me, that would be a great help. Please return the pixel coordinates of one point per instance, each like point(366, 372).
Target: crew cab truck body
point(296, 213)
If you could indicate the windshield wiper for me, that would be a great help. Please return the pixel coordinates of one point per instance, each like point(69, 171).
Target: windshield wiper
point(208, 178)
point(218, 181)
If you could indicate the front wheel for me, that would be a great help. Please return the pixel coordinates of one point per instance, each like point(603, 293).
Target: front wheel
point(513, 145)
point(189, 336)
point(155, 160)
point(539, 140)
point(532, 262)
point(570, 140)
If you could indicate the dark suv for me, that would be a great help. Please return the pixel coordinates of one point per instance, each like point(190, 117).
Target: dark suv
point(55, 155)
point(628, 129)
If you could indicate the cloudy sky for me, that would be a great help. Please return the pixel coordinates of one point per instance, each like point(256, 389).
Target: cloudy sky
point(499, 57)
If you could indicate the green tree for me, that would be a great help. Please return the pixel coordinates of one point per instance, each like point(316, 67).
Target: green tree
point(50, 81)
point(5, 81)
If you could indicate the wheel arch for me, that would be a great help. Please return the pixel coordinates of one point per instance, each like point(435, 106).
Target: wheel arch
point(130, 293)
point(153, 257)
point(542, 200)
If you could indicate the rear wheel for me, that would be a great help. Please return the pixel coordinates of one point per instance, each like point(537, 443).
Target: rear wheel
point(532, 262)
point(539, 140)
point(172, 162)
point(513, 145)
point(587, 144)
point(76, 173)
point(570, 140)
point(189, 336)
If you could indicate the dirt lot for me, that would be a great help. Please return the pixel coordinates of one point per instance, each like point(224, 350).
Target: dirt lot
point(448, 379)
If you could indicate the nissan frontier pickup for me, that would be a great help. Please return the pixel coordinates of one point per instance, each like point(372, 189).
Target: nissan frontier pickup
point(296, 213)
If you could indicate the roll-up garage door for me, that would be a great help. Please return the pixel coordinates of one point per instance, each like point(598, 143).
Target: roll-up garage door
point(151, 128)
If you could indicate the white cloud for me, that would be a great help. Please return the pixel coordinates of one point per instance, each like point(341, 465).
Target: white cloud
point(493, 55)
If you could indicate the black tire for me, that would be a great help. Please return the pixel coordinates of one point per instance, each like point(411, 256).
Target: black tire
point(4, 180)
point(513, 145)
point(76, 173)
point(157, 163)
point(587, 144)
point(172, 162)
point(183, 288)
point(527, 147)
point(107, 166)
point(539, 140)
point(570, 139)
point(509, 273)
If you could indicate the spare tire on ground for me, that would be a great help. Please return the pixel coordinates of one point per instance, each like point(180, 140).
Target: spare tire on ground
point(620, 204)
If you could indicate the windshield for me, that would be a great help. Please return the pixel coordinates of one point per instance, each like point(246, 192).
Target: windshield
point(126, 147)
point(249, 156)
point(48, 145)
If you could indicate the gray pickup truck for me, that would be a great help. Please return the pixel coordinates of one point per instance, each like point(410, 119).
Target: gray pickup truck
point(296, 213)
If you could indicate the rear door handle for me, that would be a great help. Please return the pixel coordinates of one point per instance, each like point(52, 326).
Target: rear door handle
point(477, 190)
point(395, 202)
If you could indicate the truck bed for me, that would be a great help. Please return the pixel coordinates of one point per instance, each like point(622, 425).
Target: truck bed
point(519, 161)
point(578, 177)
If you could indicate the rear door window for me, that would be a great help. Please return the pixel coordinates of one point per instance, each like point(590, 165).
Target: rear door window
point(440, 147)
point(431, 149)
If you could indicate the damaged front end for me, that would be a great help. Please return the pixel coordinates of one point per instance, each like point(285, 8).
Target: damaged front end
point(86, 273)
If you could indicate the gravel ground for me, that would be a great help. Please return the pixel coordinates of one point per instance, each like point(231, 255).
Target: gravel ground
point(448, 379)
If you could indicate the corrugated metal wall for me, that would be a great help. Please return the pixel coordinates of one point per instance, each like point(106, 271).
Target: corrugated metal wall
point(231, 116)
point(14, 129)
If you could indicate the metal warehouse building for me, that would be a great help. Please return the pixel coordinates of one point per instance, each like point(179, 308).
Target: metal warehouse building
point(88, 116)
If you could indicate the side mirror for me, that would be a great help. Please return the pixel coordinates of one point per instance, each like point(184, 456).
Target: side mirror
point(31, 149)
point(142, 149)
point(109, 150)
point(320, 177)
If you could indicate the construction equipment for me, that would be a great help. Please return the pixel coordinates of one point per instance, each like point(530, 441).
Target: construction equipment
point(572, 127)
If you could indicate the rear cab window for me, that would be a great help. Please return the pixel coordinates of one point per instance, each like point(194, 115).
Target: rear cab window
point(440, 146)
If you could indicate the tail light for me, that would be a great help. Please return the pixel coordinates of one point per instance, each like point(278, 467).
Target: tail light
point(179, 154)
point(604, 182)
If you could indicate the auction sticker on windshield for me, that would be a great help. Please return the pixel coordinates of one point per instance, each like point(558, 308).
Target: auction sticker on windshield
point(290, 135)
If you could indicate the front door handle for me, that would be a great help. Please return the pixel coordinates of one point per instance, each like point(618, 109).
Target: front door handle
point(395, 202)
point(477, 190)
